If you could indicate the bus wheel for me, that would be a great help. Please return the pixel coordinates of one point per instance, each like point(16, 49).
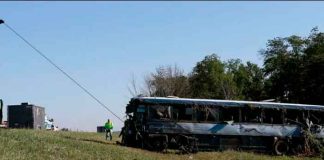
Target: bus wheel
point(157, 144)
point(281, 147)
point(160, 144)
point(187, 144)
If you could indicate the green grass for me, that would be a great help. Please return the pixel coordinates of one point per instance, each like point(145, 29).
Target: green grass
point(31, 144)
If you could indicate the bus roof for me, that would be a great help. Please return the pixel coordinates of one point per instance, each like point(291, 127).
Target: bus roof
point(228, 103)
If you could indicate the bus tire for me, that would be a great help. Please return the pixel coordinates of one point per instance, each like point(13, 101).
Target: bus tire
point(157, 143)
point(281, 147)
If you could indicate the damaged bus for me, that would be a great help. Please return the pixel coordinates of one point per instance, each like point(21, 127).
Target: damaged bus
point(159, 123)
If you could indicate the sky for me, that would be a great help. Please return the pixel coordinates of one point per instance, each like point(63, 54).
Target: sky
point(102, 44)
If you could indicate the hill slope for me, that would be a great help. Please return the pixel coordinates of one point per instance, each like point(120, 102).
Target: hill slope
point(31, 144)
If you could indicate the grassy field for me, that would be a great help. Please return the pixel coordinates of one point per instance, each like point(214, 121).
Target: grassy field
point(44, 145)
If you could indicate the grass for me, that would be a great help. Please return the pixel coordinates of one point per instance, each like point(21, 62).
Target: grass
point(32, 144)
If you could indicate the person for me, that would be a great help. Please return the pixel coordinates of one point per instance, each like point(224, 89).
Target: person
point(108, 128)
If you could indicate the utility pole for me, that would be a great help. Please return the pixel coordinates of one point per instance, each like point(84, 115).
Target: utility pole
point(1, 107)
point(1, 103)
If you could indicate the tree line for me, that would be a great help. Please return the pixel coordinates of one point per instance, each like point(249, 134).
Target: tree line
point(292, 71)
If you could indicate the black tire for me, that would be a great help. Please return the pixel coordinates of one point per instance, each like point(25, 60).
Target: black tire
point(187, 145)
point(281, 147)
point(158, 144)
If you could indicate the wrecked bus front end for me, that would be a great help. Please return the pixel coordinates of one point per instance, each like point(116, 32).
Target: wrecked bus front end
point(189, 125)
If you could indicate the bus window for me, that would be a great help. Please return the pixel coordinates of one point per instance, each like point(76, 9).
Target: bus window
point(252, 115)
point(182, 113)
point(316, 117)
point(293, 116)
point(207, 114)
point(213, 114)
point(201, 114)
point(159, 112)
point(229, 114)
point(272, 116)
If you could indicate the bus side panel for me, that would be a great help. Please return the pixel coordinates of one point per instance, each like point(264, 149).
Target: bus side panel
point(225, 129)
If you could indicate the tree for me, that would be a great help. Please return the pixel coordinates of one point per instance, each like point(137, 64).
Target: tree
point(283, 66)
point(212, 78)
point(165, 81)
point(254, 84)
point(208, 79)
point(294, 68)
point(133, 87)
point(236, 75)
point(168, 81)
point(313, 69)
point(248, 79)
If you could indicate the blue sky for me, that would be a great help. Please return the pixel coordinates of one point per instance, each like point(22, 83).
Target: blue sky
point(102, 44)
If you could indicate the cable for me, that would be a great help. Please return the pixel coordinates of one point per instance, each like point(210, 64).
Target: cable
point(60, 69)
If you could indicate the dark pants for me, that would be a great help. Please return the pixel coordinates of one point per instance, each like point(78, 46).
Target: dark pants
point(108, 134)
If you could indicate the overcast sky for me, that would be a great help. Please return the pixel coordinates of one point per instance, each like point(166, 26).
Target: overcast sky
point(102, 44)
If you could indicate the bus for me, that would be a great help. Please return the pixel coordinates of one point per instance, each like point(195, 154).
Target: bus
point(160, 123)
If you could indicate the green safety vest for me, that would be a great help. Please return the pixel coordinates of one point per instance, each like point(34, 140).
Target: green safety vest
point(109, 125)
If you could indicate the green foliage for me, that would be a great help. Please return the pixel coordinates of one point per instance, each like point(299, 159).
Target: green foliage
point(208, 79)
point(313, 69)
point(248, 79)
point(313, 145)
point(294, 68)
point(212, 78)
point(283, 64)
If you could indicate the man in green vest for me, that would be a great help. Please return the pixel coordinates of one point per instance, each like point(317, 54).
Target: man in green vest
point(108, 128)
